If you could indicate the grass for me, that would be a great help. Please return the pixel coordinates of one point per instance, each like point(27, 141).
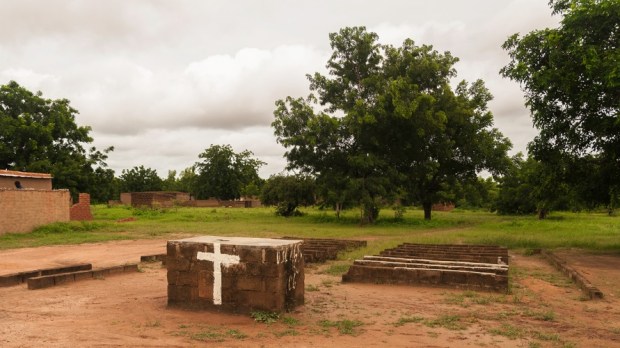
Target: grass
point(337, 269)
point(408, 319)
point(450, 322)
point(211, 334)
point(510, 331)
point(345, 326)
point(541, 315)
point(468, 298)
point(592, 231)
point(265, 317)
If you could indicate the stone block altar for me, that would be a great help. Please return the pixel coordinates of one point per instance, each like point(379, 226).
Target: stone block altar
point(235, 274)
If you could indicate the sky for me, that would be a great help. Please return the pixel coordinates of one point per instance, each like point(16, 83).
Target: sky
point(163, 80)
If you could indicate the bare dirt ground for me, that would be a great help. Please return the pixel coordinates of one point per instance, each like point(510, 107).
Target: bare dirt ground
point(543, 309)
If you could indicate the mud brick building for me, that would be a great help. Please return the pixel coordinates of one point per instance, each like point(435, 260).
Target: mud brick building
point(35, 203)
point(37, 181)
point(235, 274)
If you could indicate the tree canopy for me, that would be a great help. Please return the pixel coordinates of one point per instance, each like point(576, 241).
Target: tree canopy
point(140, 179)
point(225, 174)
point(288, 193)
point(41, 135)
point(571, 79)
point(386, 120)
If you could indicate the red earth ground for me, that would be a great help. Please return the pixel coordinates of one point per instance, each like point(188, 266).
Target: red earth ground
point(543, 308)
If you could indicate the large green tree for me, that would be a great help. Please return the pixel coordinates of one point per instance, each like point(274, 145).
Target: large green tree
point(140, 179)
point(225, 174)
point(385, 119)
point(571, 78)
point(288, 193)
point(41, 135)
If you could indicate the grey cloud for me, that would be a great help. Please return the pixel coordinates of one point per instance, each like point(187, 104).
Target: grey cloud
point(162, 80)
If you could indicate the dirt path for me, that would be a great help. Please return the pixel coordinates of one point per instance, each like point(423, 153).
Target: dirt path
point(543, 310)
point(99, 254)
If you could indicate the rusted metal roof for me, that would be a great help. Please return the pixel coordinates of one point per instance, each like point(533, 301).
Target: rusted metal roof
point(16, 174)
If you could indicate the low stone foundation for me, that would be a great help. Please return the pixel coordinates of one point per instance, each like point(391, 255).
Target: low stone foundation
point(462, 266)
point(590, 290)
point(22, 277)
point(47, 281)
point(322, 249)
point(235, 274)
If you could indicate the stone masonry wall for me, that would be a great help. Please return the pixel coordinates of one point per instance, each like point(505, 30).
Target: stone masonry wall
point(235, 274)
point(23, 210)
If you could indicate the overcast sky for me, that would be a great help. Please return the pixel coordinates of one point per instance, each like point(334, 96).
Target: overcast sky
point(163, 80)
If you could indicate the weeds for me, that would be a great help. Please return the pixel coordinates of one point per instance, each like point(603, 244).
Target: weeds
point(214, 334)
point(337, 269)
point(345, 327)
point(450, 322)
point(507, 330)
point(287, 332)
point(468, 298)
point(290, 321)
point(404, 320)
point(546, 336)
point(265, 317)
point(543, 315)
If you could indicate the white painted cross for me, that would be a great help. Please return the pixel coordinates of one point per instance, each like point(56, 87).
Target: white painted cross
point(218, 260)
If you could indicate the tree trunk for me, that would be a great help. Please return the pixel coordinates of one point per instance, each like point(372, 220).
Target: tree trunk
point(542, 213)
point(338, 208)
point(428, 206)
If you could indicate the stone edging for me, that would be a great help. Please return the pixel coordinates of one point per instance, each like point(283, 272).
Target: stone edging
point(590, 290)
point(21, 277)
point(57, 279)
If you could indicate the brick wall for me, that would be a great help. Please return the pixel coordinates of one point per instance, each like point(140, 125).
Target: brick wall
point(81, 210)
point(160, 199)
point(126, 198)
point(202, 203)
point(23, 210)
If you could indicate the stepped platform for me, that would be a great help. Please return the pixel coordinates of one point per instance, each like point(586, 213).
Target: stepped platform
point(462, 266)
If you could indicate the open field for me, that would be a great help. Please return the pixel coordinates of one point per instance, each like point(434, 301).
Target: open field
point(594, 232)
point(542, 309)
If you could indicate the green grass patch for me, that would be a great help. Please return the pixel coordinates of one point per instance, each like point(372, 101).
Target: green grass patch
point(450, 322)
point(408, 319)
point(345, 327)
point(213, 334)
point(541, 315)
point(337, 269)
point(510, 331)
point(286, 332)
point(290, 321)
point(265, 317)
point(468, 298)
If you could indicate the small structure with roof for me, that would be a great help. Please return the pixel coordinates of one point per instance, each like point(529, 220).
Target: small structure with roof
point(11, 179)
